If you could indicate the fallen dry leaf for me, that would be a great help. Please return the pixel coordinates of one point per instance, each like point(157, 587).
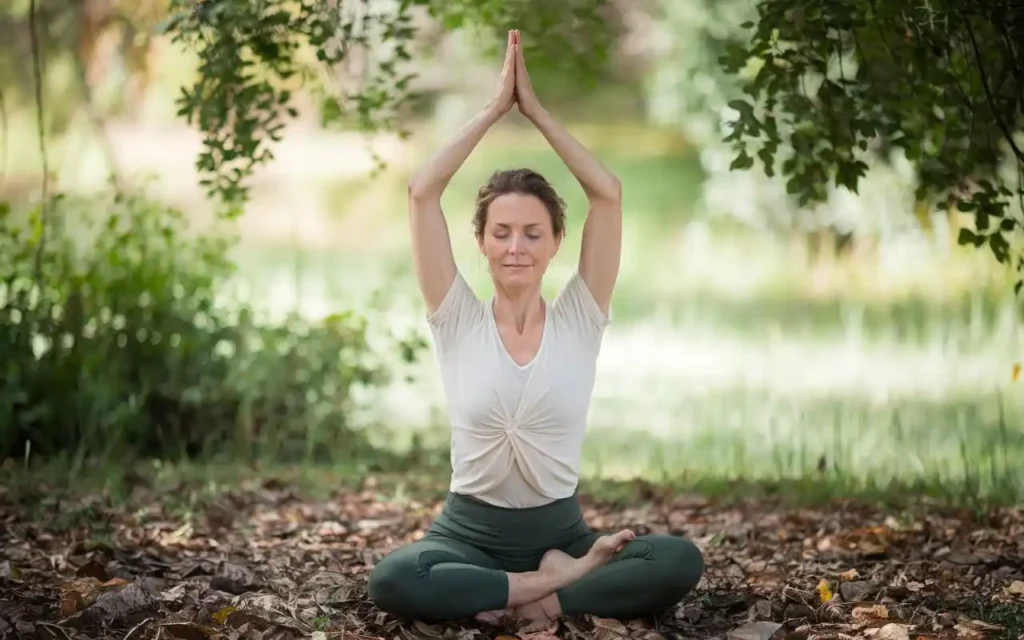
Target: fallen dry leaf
point(78, 594)
point(891, 631)
point(540, 631)
point(221, 616)
point(609, 628)
point(870, 614)
point(848, 576)
point(825, 591)
point(761, 630)
point(264, 563)
point(188, 631)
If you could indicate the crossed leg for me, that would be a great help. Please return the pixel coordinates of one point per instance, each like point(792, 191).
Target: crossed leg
point(568, 569)
point(439, 578)
point(648, 575)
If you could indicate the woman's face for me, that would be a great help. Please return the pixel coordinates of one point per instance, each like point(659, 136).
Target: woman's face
point(518, 240)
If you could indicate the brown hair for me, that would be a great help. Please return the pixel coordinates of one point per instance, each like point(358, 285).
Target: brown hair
point(524, 182)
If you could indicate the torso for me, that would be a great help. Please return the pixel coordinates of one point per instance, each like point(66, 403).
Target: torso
point(518, 404)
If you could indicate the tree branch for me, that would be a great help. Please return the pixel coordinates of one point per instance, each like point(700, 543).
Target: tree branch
point(1007, 134)
point(5, 134)
point(37, 73)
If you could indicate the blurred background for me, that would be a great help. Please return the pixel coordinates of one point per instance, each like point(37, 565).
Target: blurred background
point(852, 344)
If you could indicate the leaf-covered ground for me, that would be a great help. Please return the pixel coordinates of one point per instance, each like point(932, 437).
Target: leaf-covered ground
point(261, 562)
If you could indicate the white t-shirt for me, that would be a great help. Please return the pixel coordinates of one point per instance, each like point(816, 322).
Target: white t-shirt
point(517, 431)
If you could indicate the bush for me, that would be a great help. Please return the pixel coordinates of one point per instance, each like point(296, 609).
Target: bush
point(115, 340)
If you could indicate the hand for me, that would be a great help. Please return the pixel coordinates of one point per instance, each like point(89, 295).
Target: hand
point(506, 94)
point(526, 99)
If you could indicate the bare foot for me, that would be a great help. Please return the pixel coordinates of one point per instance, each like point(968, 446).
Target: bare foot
point(533, 613)
point(556, 561)
point(492, 618)
point(604, 549)
point(562, 564)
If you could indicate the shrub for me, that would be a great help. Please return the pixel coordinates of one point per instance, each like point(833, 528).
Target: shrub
point(115, 339)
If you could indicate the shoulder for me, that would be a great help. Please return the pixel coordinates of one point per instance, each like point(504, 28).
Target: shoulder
point(460, 313)
point(576, 307)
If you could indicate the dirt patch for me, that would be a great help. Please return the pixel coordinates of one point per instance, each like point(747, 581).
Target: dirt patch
point(262, 562)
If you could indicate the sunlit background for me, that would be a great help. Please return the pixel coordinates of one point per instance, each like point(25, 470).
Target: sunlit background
point(752, 339)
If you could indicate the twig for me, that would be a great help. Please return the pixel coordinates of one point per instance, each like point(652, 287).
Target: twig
point(1007, 134)
point(50, 625)
point(37, 73)
point(5, 134)
point(131, 633)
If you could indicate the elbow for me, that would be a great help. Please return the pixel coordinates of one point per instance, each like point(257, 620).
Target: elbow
point(419, 191)
point(610, 191)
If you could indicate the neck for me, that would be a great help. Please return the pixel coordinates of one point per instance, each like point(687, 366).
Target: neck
point(517, 306)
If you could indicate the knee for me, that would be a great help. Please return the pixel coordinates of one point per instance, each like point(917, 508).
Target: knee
point(680, 564)
point(392, 586)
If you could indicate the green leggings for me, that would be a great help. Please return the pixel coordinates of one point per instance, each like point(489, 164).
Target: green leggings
point(458, 569)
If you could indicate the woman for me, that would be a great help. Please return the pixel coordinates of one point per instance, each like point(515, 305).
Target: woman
point(518, 374)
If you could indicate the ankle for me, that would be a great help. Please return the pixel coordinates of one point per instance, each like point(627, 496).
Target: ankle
point(550, 606)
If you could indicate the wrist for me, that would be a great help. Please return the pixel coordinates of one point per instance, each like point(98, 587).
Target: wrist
point(492, 112)
point(537, 115)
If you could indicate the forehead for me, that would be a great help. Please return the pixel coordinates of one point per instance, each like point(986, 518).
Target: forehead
point(517, 210)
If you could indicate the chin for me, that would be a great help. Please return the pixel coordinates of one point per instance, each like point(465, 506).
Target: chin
point(521, 278)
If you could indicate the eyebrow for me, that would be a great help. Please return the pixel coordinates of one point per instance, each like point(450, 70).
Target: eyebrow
point(507, 226)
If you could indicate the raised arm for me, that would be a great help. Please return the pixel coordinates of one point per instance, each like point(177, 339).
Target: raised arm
point(431, 243)
point(601, 249)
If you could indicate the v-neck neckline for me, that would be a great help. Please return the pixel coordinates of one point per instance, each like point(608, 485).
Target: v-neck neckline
point(540, 346)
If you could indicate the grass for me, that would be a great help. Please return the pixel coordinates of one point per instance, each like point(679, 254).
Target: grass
point(188, 488)
point(729, 362)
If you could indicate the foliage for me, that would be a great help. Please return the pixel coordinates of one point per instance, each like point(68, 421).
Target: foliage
point(689, 89)
point(844, 82)
point(68, 43)
point(254, 54)
point(113, 338)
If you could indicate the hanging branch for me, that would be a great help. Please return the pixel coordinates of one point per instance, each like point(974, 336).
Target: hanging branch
point(944, 95)
point(5, 134)
point(37, 74)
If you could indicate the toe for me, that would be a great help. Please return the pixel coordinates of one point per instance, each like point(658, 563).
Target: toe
point(623, 537)
point(490, 617)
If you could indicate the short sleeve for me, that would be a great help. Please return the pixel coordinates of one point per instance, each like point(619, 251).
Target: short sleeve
point(578, 307)
point(460, 312)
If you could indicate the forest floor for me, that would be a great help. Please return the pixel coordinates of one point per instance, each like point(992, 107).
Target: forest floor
point(262, 559)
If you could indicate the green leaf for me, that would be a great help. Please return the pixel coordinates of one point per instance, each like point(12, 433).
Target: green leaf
point(968, 237)
point(742, 161)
